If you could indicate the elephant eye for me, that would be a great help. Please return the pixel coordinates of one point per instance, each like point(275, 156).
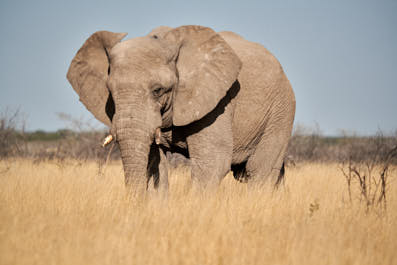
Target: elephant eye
point(157, 92)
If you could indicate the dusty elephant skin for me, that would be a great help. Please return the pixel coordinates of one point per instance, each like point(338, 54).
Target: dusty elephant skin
point(219, 99)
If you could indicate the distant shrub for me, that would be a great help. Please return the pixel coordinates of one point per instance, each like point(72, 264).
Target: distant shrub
point(304, 144)
point(309, 145)
point(81, 141)
point(12, 127)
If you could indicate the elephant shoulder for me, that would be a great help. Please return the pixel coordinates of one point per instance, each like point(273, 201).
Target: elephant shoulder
point(253, 55)
point(228, 35)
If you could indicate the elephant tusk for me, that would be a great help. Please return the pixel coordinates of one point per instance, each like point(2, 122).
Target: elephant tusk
point(158, 136)
point(107, 140)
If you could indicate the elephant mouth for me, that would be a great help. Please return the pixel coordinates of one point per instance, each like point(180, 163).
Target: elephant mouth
point(157, 138)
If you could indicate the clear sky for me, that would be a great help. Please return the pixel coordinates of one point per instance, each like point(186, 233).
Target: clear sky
point(340, 55)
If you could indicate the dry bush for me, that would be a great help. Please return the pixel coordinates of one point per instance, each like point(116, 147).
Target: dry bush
point(365, 161)
point(367, 166)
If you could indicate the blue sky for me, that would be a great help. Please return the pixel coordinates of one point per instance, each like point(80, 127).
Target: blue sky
point(340, 56)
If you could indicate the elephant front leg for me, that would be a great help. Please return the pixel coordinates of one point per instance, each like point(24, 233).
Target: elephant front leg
point(210, 150)
point(157, 171)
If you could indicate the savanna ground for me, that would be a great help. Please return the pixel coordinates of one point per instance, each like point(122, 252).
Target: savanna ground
point(73, 212)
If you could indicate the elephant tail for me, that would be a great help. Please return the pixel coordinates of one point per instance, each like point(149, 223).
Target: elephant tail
point(280, 177)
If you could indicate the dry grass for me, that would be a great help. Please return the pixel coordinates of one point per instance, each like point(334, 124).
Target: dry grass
point(69, 214)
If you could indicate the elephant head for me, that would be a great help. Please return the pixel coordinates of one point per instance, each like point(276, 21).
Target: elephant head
point(171, 77)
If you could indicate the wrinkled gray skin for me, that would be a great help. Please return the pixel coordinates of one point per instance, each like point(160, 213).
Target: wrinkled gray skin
point(219, 99)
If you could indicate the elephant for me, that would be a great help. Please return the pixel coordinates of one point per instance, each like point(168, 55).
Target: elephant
point(220, 100)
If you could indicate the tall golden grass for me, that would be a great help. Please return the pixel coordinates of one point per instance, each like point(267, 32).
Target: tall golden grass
point(70, 213)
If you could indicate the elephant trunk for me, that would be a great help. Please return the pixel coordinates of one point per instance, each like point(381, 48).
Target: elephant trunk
point(134, 139)
point(134, 154)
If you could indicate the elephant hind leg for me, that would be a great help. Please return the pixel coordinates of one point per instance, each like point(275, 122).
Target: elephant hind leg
point(267, 162)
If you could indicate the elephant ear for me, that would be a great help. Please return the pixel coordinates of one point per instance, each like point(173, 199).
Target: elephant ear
point(88, 74)
point(207, 67)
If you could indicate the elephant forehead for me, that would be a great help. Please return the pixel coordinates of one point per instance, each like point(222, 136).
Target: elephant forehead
point(142, 48)
point(159, 31)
